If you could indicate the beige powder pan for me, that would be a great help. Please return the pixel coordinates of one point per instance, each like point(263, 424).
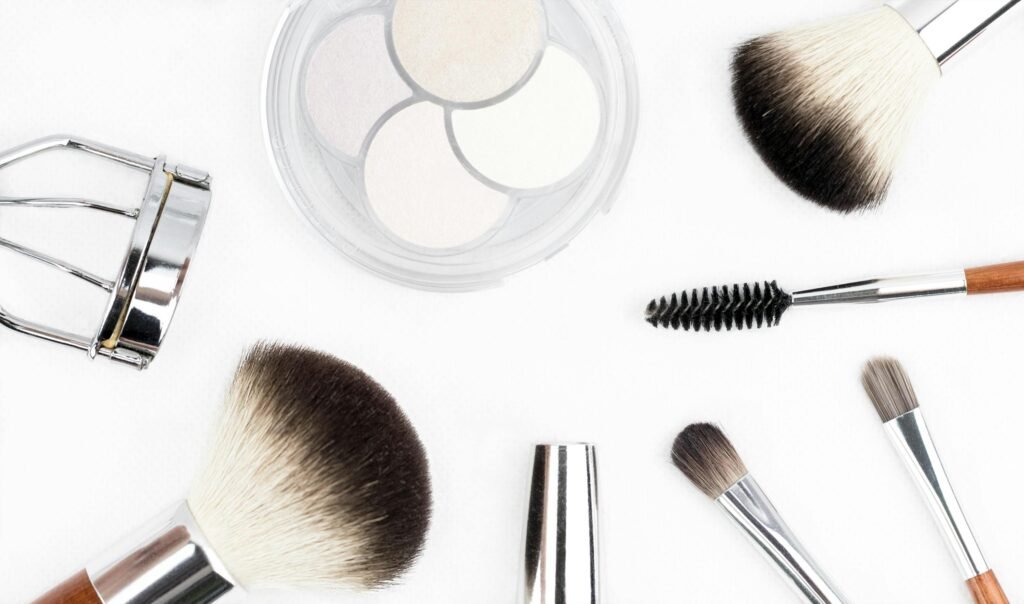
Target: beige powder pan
point(468, 51)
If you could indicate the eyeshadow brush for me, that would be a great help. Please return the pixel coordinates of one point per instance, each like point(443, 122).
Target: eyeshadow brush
point(707, 458)
point(316, 479)
point(743, 307)
point(893, 396)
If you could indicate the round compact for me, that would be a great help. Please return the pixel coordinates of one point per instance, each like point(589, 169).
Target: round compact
point(446, 144)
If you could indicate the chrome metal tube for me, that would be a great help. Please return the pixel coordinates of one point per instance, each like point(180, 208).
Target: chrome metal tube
point(948, 26)
point(884, 290)
point(909, 434)
point(167, 563)
point(561, 563)
point(747, 504)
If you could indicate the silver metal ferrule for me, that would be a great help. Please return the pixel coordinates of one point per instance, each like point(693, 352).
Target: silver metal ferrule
point(885, 290)
point(747, 504)
point(948, 26)
point(910, 436)
point(561, 562)
point(168, 562)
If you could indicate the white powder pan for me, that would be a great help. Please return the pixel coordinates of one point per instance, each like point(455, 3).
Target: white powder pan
point(446, 144)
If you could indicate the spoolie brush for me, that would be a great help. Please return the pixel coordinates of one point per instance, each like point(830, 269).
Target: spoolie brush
point(892, 393)
point(706, 457)
point(828, 106)
point(762, 305)
point(316, 479)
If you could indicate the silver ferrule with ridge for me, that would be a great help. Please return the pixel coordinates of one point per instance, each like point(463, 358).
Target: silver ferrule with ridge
point(909, 434)
point(168, 562)
point(884, 290)
point(947, 26)
point(747, 504)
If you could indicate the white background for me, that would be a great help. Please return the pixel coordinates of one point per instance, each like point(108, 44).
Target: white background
point(89, 450)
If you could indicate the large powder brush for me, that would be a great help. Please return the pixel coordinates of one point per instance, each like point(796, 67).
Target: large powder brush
point(316, 479)
point(828, 106)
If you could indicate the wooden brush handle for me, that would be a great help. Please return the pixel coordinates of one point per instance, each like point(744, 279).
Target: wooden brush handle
point(986, 590)
point(996, 279)
point(76, 590)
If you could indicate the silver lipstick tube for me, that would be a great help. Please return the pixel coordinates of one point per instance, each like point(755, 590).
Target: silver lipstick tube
point(948, 26)
point(909, 434)
point(884, 290)
point(747, 504)
point(168, 562)
point(561, 562)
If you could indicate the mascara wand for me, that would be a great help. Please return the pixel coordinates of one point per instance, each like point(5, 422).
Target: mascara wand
point(763, 304)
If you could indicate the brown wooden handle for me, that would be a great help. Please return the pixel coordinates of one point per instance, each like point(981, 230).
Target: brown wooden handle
point(76, 590)
point(986, 590)
point(996, 279)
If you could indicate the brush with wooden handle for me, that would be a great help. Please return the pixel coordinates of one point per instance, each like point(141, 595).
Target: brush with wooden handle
point(762, 305)
point(892, 393)
point(316, 479)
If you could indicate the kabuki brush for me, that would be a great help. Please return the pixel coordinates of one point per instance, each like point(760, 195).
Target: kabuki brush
point(892, 393)
point(828, 106)
point(763, 304)
point(316, 479)
point(706, 457)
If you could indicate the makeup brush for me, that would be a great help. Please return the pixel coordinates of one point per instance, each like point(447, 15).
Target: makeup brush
point(704, 454)
point(316, 479)
point(828, 106)
point(744, 306)
point(892, 393)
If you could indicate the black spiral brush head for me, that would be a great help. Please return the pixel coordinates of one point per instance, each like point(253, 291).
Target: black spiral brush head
point(718, 308)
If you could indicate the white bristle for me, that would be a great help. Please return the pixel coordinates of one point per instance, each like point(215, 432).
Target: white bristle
point(829, 106)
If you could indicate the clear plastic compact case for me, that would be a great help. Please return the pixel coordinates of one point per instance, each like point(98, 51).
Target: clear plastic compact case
point(447, 144)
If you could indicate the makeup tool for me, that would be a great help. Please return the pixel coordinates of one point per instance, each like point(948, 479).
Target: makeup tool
point(562, 552)
point(763, 304)
point(706, 457)
point(828, 106)
point(145, 293)
point(316, 479)
point(892, 393)
point(446, 144)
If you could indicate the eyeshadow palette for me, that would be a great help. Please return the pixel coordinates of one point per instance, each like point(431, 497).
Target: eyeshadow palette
point(446, 144)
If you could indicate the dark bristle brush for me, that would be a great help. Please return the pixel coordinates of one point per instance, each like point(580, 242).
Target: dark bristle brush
point(763, 304)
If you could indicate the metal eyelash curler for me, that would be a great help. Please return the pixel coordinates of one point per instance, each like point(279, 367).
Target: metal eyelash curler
point(143, 297)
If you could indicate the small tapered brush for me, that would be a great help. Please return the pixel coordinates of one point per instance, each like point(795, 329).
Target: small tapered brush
point(828, 106)
point(708, 459)
point(316, 479)
point(763, 304)
point(892, 393)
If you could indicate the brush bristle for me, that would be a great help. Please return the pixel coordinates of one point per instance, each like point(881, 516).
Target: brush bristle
point(316, 479)
point(828, 107)
point(889, 388)
point(704, 454)
point(721, 308)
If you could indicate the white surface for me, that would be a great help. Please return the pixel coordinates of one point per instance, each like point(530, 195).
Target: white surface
point(351, 82)
point(88, 450)
point(418, 188)
point(542, 133)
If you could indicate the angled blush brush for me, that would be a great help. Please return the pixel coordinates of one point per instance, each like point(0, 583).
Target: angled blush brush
point(707, 458)
point(892, 393)
point(828, 106)
point(762, 305)
point(316, 479)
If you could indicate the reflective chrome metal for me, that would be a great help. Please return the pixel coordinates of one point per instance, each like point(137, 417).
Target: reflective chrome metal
point(948, 26)
point(169, 562)
point(909, 434)
point(145, 294)
point(884, 290)
point(747, 504)
point(561, 564)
